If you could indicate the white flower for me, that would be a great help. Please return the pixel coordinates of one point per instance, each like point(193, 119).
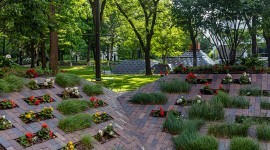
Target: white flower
point(66, 89)
point(248, 93)
point(244, 74)
point(179, 101)
point(199, 101)
point(35, 81)
point(195, 75)
point(45, 83)
point(100, 132)
point(48, 80)
point(9, 121)
point(4, 123)
point(4, 117)
point(77, 93)
point(52, 81)
point(76, 88)
point(182, 97)
point(111, 133)
point(230, 80)
point(199, 96)
point(249, 79)
point(8, 56)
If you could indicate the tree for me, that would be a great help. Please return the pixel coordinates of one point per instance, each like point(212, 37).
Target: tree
point(150, 10)
point(266, 25)
point(188, 15)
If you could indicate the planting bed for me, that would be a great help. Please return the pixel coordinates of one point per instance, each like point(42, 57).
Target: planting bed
point(7, 104)
point(73, 96)
point(106, 137)
point(38, 140)
point(242, 119)
point(201, 81)
point(212, 91)
point(40, 100)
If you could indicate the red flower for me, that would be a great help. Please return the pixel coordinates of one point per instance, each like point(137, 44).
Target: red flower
point(44, 125)
point(37, 102)
point(31, 98)
point(166, 73)
point(160, 72)
point(181, 65)
point(220, 86)
point(92, 99)
point(51, 134)
point(152, 111)
point(51, 100)
point(29, 135)
point(161, 113)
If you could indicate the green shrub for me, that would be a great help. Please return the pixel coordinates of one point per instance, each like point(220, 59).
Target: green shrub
point(231, 102)
point(228, 130)
point(265, 104)
point(76, 122)
point(14, 83)
point(92, 89)
point(67, 80)
point(175, 86)
point(263, 132)
point(189, 140)
point(71, 106)
point(240, 143)
point(87, 141)
point(4, 88)
point(175, 124)
point(208, 111)
point(250, 91)
point(151, 98)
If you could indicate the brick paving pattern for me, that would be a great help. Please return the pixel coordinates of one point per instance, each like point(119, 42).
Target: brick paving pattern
point(149, 129)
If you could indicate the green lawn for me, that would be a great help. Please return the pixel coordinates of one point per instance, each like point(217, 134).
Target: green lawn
point(122, 82)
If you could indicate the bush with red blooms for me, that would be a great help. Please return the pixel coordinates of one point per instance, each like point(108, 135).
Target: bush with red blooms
point(45, 132)
point(158, 113)
point(191, 78)
point(181, 69)
point(7, 104)
point(27, 140)
point(165, 73)
point(31, 73)
point(207, 89)
point(94, 102)
point(32, 100)
point(220, 89)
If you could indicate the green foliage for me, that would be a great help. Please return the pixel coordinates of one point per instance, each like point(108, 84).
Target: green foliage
point(72, 106)
point(240, 143)
point(87, 141)
point(175, 86)
point(231, 102)
point(67, 80)
point(11, 83)
point(250, 91)
point(76, 122)
point(229, 130)
point(151, 98)
point(240, 102)
point(252, 61)
point(263, 132)
point(33, 85)
point(175, 124)
point(208, 111)
point(189, 140)
point(92, 89)
point(264, 104)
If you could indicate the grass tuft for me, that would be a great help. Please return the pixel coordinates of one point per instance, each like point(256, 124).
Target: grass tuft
point(87, 141)
point(175, 86)
point(265, 104)
point(229, 102)
point(240, 143)
point(175, 124)
point(151, 98)
point(189, 140)
point(250, 91)
point(229, 130)
point(68, 107)
point(92, 89)
point(67, 80)
point(76, 122)
point(10, 84)
point(263, 132)
point(208, 111)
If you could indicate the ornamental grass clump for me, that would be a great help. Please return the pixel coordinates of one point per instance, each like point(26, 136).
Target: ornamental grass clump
point(67, 80)
point(76, 122)
point(92, 89)
point(190, 140)
point(87, 141)
point(250, 91)
point(231, 102)
point(263, 132)
point(149, 98)
point(175, 86)
point(175, 124)
point(265, 104)
point(208, 111)
point(10, 84)
point(229, 130)
point(72, 106)
point(241, 143)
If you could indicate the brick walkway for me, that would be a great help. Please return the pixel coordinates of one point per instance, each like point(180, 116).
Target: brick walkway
point(149, 129)
point(127, 139)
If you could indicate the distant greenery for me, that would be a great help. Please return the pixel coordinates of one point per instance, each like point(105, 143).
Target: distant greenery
point(241, 143)
point(190, 140)
point(92, 89)
point(76, 122)
point(208, 111)
point(229, 130)
point(149, 98)
point(67, 80)
point(11, 83)
point(175, 124)
point(72, 106)
point(175, 86)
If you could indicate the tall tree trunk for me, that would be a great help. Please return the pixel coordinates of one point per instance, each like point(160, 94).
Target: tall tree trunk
point(268, 48)
point(37, 55)
point(108, 52)
point(32, 52)
point(97, 40)
point(254, 36)
point(111, 49)
point(43, 51)
point(53, 44)
point(89, 46)
point(232, 56)
point(194, 50)
point(147, 58)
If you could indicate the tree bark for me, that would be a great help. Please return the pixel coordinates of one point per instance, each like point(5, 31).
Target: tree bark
point(32, 52)
point(147, 61)
point(194, 51)
point(43, 51)
point(267, 39)
point(254, 36)
point(232, 57)
point(89, 46)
